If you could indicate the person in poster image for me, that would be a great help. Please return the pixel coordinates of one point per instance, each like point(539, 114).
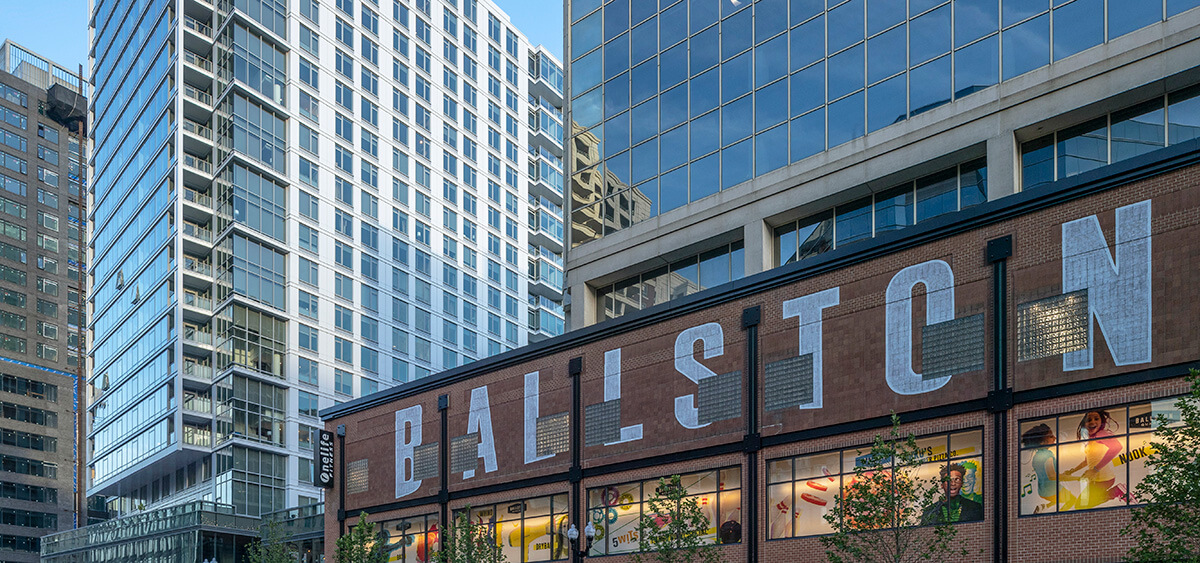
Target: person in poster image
point(1045, 465)
point(953, 507)
point(1099, 479)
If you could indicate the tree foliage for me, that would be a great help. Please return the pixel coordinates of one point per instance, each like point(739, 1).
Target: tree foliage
point(362, 545)
point(272, 546)
point(464, 541)
point(1168, 529)
point(672, 528)
point(876, 516)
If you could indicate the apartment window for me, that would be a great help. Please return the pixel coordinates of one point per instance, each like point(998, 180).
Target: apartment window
point(308, 372)
point(308, 403)
point(343, 382)
point(308, 337)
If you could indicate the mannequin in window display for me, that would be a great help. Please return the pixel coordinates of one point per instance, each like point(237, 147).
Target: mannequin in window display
point(1045, 465)
point(1098, 482)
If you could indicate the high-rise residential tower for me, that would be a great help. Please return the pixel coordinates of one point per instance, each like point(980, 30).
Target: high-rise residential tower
point(300, 203)
point(42, 111)
point(716, 139)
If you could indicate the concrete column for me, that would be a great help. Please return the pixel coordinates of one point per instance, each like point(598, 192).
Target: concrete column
point(583, 307)
point(760, 247)
point(1003, 162)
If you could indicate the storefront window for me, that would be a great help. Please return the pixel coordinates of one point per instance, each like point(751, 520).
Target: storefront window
point(1089, 459)
point(529, 530)
point(616, 510)
point(802, 490)
point(412, 540)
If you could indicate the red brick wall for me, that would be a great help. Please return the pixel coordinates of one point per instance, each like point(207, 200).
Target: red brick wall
point(854, 382)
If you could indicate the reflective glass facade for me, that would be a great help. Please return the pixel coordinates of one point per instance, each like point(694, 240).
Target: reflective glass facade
point(390, 171)
point(674, 102)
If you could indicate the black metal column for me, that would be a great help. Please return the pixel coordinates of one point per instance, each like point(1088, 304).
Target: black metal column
point(1000, 399)
point(575, 474)
point(444, 462)
point(753, 440)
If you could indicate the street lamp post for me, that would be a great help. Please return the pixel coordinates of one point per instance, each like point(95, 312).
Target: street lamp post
point(589, 533)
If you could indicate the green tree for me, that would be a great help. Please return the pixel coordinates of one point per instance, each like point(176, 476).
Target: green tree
point(272, 546)
point(464, 541)
point(876, 517)
point(1168, 529)
point(672, 528)
point(363, 544)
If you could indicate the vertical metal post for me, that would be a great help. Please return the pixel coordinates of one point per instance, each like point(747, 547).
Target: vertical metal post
point(753, 440)
point(1000, 398)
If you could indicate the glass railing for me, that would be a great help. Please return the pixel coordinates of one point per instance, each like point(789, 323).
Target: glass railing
point(300, 520)
point(197, 335)
point(199, 198)
point(196, 436)
point(197, 94)
point(197, 370)
point(150, 523)
point(196, 60)
point(198, 301)
point(197, 26)
point(196, 231)
point(198, 266)
point(198, 163)
point(197, 403)
point(197, 129)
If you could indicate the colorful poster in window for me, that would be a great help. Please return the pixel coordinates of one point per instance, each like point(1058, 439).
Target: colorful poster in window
point(1089, 459)
point(616, 510)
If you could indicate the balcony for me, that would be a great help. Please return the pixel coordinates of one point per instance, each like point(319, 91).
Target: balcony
point(200, 103)
point(202, 131)
point(197, 403)
point(197, 266)
point(197, 301)
point(197, 436)
point(197, 232)
point(197, 26)
point(197, 370)
point(196, 163)
point(197, 339)
point(199, 198)
point(197, 70)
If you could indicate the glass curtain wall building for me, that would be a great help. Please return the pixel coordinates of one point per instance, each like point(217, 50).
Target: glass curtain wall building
point(790, 108)
point(300, 203)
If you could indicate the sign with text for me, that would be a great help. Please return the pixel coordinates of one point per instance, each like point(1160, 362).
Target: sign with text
point(324, 461)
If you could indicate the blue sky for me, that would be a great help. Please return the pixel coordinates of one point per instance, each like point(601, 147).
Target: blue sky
point(66, 42)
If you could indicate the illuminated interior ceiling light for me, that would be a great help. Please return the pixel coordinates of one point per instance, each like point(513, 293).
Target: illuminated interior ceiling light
point(1052, 326)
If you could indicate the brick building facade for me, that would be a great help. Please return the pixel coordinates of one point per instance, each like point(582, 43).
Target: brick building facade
point(978, 328)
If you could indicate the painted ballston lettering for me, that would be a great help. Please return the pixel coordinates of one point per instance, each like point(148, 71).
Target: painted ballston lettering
point(612, 391)
point(938, 279)
point(480, 420)
point(685, 363)
point(808, 310)
point(1118, 290)
point(408, 436)
point(531, 416)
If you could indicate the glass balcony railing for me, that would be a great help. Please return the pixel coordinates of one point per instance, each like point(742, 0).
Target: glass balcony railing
point(198, 61)
point(197, 95)
point(197, 26)
point(192, 161)
point(199, 198)
point(197, 370)
point(194, 436)
point(196, 403)
point(196, 231)
point(197, 301)
point(197, 129)
point(197, 335)
point(198, 266)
